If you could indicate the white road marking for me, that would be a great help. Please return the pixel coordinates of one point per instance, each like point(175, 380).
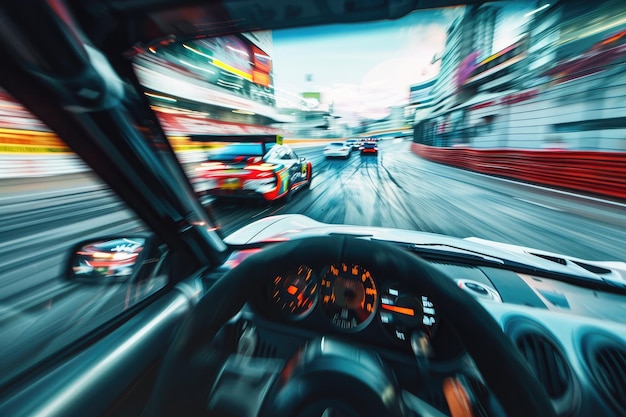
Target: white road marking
point(581, 196)
point(262, 212)
point(537, 204)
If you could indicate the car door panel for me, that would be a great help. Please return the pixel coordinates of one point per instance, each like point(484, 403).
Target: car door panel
point(92, 381)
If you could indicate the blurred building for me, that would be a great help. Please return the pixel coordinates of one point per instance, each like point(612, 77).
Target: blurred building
point(565, 33)
point(420, 94)
point(420, 98)
point(559, 86)
point(310, 116)
point(236, 63)
point(469, 38)
point(442, 90)
point(390, 125)
point(484, 21)
point(311, 123)
point(224, 85)
point(577, 63)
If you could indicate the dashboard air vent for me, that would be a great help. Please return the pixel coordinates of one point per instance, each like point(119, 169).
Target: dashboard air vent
point(546, 361)
point(607, 363)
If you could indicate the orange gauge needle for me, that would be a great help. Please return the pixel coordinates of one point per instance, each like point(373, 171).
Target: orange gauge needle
point(401, 310)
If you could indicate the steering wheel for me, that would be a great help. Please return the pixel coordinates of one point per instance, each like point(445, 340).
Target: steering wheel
point(197, 354)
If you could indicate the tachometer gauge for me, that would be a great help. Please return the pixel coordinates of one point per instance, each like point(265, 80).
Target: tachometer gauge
point(349, 296)
point(295, 292)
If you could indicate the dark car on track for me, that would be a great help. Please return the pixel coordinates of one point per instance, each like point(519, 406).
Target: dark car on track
point(286, 316)
point(369, 148)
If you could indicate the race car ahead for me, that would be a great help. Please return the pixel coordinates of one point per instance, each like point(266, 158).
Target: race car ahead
point(255, 166)
point(338, 150)
point(369, 148)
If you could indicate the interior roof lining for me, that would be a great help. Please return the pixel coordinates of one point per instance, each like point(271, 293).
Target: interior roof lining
point(185, 20)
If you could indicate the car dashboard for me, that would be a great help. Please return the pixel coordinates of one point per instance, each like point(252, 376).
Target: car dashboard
point(347, 299)
point(561, 330)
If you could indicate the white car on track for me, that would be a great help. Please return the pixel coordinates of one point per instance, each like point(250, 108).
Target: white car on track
point(337, 150)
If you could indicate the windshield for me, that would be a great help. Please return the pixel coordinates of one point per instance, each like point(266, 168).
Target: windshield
point(478, 113)
point(501, 122)
point(236, 150)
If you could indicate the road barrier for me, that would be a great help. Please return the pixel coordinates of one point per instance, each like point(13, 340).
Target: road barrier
point(592, 172)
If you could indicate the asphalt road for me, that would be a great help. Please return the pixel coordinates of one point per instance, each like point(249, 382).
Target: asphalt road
point(40, 219)
point(398, 189)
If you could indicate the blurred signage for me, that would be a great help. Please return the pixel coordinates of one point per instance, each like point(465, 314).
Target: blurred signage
point(262, 39)
point(585, 24)
point(519, 97)
point(598, 58)
point(178, 125)
point(262, 67)
point(22, 132)
point(314, 95)
point(15, 116)
point(508, 99)
point(484, 104)
point(262, 61)
point(230, 54)
point(164, 83)
point(261, 78)
point(471, 71)
point(499, 54)
point(25, 141)
point(466, 68)
point(312, 98)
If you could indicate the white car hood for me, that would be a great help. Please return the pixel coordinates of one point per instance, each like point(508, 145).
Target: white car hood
point(293, 226)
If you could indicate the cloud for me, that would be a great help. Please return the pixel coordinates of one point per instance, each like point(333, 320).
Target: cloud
point(373, 76)
point(387, 83)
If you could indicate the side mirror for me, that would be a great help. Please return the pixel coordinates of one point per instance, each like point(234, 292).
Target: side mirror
point(112, 259)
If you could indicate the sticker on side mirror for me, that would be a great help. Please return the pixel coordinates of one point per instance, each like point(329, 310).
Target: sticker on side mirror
point(108, 259)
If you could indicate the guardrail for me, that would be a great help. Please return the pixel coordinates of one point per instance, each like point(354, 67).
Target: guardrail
point(587, 171)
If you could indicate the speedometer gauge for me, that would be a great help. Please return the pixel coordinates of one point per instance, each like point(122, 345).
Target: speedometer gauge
point(349, 296)
point(295, 292)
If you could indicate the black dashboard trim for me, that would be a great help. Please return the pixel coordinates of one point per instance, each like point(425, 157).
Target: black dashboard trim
point(512, 288)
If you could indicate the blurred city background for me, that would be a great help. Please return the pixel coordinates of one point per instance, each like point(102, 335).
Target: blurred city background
point(512, 75)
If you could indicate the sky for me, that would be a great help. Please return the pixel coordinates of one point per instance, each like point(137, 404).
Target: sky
point(364, 68)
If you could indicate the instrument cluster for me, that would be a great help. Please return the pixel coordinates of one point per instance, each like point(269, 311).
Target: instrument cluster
point(349, 298)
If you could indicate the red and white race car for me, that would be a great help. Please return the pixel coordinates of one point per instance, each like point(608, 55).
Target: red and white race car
point(252, 166)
